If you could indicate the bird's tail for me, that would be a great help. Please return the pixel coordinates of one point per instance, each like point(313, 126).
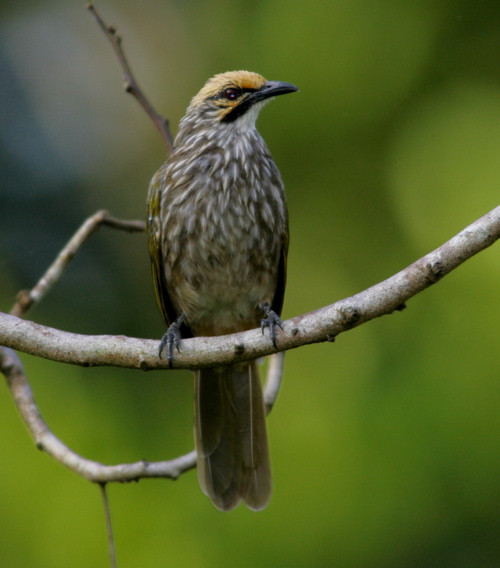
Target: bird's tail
point(230, 436)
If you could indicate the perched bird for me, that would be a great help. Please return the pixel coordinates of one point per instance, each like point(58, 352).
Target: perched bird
point(218, 240)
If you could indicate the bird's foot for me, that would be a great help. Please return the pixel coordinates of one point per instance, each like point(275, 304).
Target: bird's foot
point(271, 320)
point(171, 338)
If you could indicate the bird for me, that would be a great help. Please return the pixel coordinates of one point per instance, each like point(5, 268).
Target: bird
point(217, 226)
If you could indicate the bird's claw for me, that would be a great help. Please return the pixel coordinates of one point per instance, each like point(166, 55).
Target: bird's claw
point(271, 320)
point(171, 338)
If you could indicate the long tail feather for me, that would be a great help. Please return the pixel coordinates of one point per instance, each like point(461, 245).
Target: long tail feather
point(231, 437)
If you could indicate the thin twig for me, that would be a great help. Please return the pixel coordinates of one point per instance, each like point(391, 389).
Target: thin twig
point(109, 525)
point(131, 85)
point(120, 224)
point(26, 298)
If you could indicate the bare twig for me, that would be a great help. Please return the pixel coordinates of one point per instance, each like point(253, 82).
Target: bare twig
point(26, 298)
point(318, 326)
point(131, 85)
point(129, 226)
point(109, 525)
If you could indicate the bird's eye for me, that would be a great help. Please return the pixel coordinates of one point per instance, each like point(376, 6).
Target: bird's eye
point(231, 94)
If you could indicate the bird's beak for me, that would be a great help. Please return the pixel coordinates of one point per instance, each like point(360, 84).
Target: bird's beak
point(273, 89)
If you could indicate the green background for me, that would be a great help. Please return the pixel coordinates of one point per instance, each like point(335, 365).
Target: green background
point(386, 443)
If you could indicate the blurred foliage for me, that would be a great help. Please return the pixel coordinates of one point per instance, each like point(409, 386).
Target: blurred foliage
point(385, 444)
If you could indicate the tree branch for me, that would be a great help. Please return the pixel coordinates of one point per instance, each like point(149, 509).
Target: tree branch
point(314, 327)
point(26, 298)
point(131, 85)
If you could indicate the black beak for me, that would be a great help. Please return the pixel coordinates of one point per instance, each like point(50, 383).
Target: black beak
point(268, 90)
point(273, 89)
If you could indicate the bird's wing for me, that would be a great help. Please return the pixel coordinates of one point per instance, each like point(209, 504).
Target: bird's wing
point(279, 295)
point(155, 250)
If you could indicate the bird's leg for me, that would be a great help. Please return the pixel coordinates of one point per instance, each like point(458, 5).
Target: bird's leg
point(271, 320)
point(172, 337)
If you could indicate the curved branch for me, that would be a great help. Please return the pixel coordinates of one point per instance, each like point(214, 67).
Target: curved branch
point(314, 327)
point(12, 369)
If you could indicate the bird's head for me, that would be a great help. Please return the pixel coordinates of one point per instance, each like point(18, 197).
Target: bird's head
point(235, 97)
